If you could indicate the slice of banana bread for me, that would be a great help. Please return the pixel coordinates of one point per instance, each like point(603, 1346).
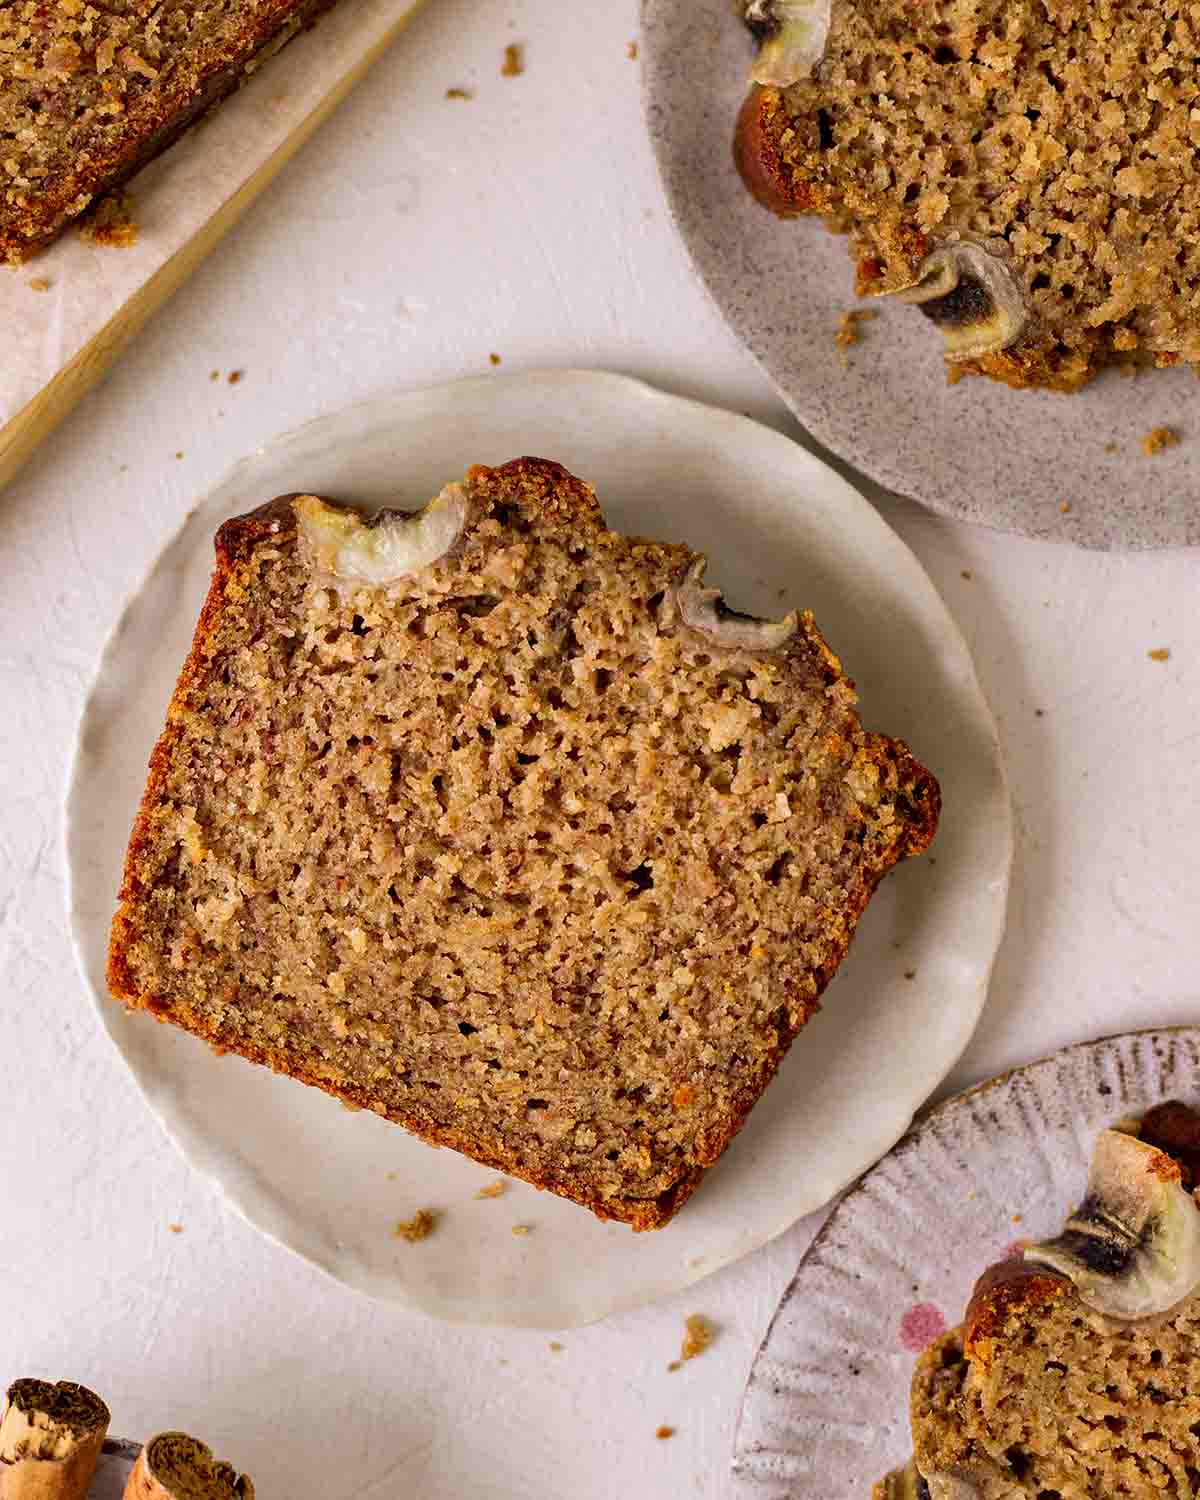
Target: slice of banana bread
point(1076, 1372)
point(503, 826)
point(1026, 171)
point(89, 92)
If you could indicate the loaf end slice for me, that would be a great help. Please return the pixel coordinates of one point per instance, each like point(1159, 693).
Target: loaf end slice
point(505, 827)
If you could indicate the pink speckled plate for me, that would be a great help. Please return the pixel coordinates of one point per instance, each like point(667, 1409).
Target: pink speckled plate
point(825, 1412)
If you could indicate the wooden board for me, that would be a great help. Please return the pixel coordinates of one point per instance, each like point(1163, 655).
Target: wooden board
point(61, 340)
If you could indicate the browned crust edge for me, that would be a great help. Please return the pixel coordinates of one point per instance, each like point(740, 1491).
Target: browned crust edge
point(234, 540)
point(151, 131)
point(1005, 1288)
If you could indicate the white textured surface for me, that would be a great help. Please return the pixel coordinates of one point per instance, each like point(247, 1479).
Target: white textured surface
point(781, 530)
point(411, 238)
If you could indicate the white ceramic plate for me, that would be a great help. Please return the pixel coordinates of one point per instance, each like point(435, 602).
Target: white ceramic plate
point(976, 450)
point(782, 530)
point(826, 1410)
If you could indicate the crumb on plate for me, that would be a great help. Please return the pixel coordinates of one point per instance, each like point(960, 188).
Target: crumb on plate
point(175, 1228)
point(1159, 438)
point(40, 283)
point(495, 358)
point(460, 93)
point(495, 1189)
point(848, 331)
point(514, 60)
point(520, 1229)
point(1160, 653)
point(418, 1228)
point(234, 376)
point(664, 1432)
point(631, 51)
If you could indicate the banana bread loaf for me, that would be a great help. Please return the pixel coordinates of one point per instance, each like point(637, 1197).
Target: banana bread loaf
point(1076, 1372)
point(503, 826)
point(89, 92)
point(1024, 171)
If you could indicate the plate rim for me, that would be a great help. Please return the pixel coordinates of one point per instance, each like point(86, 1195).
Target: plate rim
point(924, 1123)
point(186, 1137)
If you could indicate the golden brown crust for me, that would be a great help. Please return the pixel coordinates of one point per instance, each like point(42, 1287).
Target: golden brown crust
point(567, 500)
point(152, 122)
point(760, 160)
point(1005, 1290)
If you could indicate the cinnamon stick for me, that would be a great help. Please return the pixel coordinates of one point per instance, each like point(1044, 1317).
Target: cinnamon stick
point(50, 1440)
point(174, 1466)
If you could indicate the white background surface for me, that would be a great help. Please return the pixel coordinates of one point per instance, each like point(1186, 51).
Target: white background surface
point(415, 236)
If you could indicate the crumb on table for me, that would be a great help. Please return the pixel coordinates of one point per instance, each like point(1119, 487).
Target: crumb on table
point(460, 93)
point(664, 1432)
point(418, 1228)
point(1112, 447)
point(967, 574)
point(1157, 439)
point(1065, 507)
point(495, 1189)
point(514, 60)
point(699, 1334)
point(1160, 653)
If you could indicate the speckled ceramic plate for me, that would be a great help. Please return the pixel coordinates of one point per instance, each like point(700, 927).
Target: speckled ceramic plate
point(825, 1413)
point(1026, 461)
point(781, 529)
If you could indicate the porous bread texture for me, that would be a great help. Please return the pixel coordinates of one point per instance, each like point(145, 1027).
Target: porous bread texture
point(1065, 1402)
point(1068, 129)
point(90, 92)
point(505, 851)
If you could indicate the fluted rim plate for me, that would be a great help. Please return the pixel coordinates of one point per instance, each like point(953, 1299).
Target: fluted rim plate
point(825, 1412)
